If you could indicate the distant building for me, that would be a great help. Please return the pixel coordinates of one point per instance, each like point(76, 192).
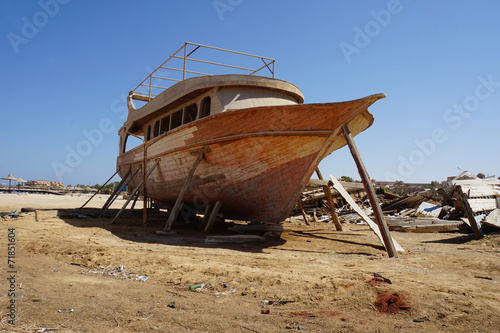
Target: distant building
point(44, 183)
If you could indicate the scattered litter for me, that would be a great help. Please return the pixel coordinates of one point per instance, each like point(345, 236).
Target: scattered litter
point(196, 286)
point(119, 272)
point(229, 292)
point(7, 216)
point(66, 310)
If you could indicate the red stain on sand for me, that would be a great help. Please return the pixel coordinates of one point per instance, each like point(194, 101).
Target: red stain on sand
point(390, 302)
point(302, 314)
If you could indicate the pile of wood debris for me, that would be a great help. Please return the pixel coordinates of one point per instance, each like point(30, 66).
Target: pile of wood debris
point(464, 203)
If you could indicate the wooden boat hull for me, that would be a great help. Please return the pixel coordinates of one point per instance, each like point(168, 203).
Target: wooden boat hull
point(256, 160)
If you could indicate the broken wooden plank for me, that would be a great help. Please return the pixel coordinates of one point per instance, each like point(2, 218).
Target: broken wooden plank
point(328, 193)
point(370, 191)
point(361, 213)
point(470, 215)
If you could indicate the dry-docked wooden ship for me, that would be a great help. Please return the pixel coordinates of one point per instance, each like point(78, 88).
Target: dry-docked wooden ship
point(244, 142)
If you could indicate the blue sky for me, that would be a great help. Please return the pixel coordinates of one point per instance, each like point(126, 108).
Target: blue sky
point(67, 66)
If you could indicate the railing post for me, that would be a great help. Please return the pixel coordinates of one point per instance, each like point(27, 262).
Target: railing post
point(150, 84)
point(184, 69)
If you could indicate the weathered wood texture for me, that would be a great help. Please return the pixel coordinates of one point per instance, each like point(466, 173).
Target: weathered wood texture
point(260, 159)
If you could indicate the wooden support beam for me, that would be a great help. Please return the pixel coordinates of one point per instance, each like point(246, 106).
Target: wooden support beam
point(206, 216)
point(374, 226)
point(213, 215)
point(370, 191)
point(99, 190)
point(299, 203)
point(175, 211)
point(329, 198)
point(135, 201)
point(134, 193)
point(123, 183)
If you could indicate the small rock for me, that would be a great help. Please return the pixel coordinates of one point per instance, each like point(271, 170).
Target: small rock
point(421, 320)
point(155, 328)
point(172, 305)
point(301, 328)
point(265, 311)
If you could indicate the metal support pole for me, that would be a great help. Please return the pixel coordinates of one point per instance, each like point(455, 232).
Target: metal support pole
point(175, 211)
point(329, 198)
point(370, 191)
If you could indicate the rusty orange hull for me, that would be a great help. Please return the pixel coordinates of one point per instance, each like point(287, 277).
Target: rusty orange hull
point(257, 160)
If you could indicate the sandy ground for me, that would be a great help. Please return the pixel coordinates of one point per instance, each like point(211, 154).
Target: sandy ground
point(86, 275)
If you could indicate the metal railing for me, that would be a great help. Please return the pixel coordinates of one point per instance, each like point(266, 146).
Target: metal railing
point(159, 79)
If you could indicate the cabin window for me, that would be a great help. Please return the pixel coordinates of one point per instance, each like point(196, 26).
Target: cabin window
point(148, 133)
point(130, 142)
point(176, 120)
point(156, 129)
point(190, 113)
point(165, 123)
point(205, 107)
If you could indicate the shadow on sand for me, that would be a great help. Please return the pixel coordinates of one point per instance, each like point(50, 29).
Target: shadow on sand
point(129, 227)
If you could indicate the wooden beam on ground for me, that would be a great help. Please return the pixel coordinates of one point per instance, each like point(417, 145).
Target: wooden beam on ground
point(213, 215)
point(321, 182)
point(328, 193)
point(175, 211)
point(370, 191)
